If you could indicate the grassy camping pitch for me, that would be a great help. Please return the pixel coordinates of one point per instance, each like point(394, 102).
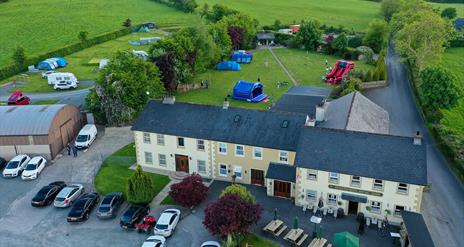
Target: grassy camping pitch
point(43, 25)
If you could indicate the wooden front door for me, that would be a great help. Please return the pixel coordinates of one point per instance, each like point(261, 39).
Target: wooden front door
point(182, 164)
point(282, 188)
point(257, 177)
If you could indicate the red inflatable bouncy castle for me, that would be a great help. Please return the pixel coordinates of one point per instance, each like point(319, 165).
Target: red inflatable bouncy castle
point(341, 69)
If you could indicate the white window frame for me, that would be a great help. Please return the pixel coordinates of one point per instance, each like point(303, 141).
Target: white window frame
point(160, 139)
point(312, 175)
point(376, 207)
point(222, 148)
point(311, 198)
point(201, 145)
point(162, 160)
point(404, 190)
point(260, 151)
point(183, 142)
point(146, 138)
point(148, 156)
point(237, 150)
point(221, 169)
point(283, 156)
point(355, 182)
point(375, 185)
point(203, 163)
point(238, 169)
point(397, 212)
point(334, 179)
point(332, 199)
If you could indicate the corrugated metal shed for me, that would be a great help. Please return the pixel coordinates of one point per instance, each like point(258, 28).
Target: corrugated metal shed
point(27, 120)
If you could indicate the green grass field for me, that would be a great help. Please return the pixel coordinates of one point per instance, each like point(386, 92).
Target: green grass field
point(43, 25)
point(256, 241)
point(453, 59)
point(307, 68)
point(354, 14)
point(115, 172)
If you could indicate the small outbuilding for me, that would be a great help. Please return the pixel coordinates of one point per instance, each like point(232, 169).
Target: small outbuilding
point(265, 38)
point(37, 129)
point(228, 65)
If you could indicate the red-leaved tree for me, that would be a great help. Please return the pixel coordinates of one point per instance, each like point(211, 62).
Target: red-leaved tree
point(231, 215)
point(190, 191)
point(237, 37)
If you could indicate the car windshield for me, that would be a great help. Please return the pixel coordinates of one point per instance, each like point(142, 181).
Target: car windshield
point(43, 191)
point(82, 138)
point(59, 199)
point(31, 167)
point(104, 209)
point(107, 200)
point(12, 165)
point(161, 227)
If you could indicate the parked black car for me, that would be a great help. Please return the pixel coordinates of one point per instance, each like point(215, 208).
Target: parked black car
point(3, 163)
point(47, 194)
point(81, 209)
point(133, 215)
point(109, 206)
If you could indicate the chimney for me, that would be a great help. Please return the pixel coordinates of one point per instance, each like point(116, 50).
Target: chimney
point(417, 138)
point(170, 100)
point(320, 112)
point(225, 105)
point(310, 121)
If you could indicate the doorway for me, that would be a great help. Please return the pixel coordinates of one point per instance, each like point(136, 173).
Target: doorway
point(257, 177)
point(352, 207)
point(182, 164)
point(282, 188)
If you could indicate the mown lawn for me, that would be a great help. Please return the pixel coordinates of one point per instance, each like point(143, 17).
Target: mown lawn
point(354, 14)
point(168, 201)
point(256, 241)
point(79, 62)
point(115, 172)
point(43, 25)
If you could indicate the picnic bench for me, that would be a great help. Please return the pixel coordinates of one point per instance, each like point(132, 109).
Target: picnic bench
point(318, 242)
point(296, 236)
point(275, 227)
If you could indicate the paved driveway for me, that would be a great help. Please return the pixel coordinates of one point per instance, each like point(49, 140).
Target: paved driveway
point(443, 206)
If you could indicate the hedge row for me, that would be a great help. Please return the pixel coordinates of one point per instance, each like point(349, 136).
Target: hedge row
point(459, 42)
point(13, 69)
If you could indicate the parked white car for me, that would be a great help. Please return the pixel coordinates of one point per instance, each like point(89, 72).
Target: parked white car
point(167, 222)
point(155, 241)
point(16, 166)
point(211, 244)
point(68, 195)
point(86, 136)
point(46, 73)
point(34, 168)
point(62, 85)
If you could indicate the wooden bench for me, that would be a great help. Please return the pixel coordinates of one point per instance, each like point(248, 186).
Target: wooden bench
point(280, 231)
point(302, 239)
point(318, 242)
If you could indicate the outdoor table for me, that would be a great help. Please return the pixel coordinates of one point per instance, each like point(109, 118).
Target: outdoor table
point(294, 234)
point(274, 225)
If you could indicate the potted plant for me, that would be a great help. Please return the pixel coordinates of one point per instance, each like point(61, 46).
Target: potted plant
point(368, 208)
point(388, 211)
point(340, 203)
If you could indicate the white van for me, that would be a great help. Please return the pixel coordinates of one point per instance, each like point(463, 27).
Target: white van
point(69, 78)
point(86, 136)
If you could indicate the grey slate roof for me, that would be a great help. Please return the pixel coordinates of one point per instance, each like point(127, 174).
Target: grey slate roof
point(302, 99)
point(282, 172)
point(419, 235)
point(356, 112)
point(27, 120)
point(261, 36)
point(386, 157)
point(255, 127)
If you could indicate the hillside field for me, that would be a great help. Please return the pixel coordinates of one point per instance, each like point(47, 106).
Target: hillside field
point(43, 25)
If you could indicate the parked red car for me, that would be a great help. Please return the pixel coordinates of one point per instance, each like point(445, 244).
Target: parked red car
point(18, 98)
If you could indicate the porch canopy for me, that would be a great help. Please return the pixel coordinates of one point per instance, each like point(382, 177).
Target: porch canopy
point(281, 172)
point(354, 197)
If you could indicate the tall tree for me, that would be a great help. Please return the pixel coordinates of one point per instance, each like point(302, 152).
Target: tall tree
point(236, 37)
point(166, 63)
point(439, 88)
point(239, 190)
point(190, 191)
point(340, 43)
point(449, 13)
point(390, 7)
point(139, 187)
point(221, 38)
point(377, 35)
point(247, 25)
point(309, 35)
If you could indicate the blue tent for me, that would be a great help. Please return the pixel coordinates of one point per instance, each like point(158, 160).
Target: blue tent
point(249, 91)
point(242, 57)
point(52, 63)
point(229, 65)
point(61, 62)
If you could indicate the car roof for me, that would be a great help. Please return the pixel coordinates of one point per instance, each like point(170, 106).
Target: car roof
point(18, 157)
point(35, 159)
point(213, 243)
point(165, 217)
point(157, 237)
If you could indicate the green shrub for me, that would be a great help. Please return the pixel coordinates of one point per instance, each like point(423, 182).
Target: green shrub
point(439, 89)
point(355, 41)
point(353, 84)
point(369, 75)
point(240, 191)
point(283, 38)
point(140, 187)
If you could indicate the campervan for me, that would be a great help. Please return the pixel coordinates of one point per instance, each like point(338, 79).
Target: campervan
point(86, 136)
point(61, 76)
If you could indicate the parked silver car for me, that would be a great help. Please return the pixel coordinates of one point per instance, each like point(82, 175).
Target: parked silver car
point(68, 195)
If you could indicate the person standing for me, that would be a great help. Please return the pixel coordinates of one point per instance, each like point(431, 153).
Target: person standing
point(74, 150)
point(68, 148)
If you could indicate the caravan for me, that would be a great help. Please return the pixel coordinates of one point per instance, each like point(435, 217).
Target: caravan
point(68, 78)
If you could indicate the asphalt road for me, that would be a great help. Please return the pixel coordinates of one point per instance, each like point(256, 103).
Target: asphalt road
point(443, 206)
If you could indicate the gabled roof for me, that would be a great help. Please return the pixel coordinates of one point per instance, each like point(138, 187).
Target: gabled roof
point(282, 172)
point(261, 36)
point(356, 112)
point(27, 119)
point(417, 230)
point(387, 157)
point(277, 130)
point(302, 99)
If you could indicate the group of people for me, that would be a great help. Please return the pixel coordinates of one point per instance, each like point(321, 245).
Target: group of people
point(327, 67)
point(362, 224)
point(72, 148)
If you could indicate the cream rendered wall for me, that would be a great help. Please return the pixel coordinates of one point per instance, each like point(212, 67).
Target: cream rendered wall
point(389, 199)
point(247, 162)
point(170, 149)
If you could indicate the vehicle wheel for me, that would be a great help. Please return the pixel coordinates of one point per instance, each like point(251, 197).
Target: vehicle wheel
point(86, 216)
